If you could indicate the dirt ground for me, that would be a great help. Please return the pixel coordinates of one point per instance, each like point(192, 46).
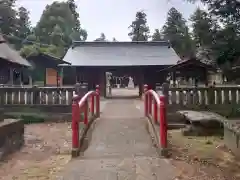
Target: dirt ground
point(45, 152)
point(202, 158)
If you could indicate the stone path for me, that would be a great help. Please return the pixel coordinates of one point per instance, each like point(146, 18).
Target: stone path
point(120, 149)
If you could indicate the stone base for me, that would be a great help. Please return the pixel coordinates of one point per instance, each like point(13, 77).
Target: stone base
point(75, 153)
point(11, 136)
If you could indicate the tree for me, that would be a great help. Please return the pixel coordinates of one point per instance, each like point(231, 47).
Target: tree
point(204, 35)
point(58, 26)
point(157, 36)
point(78, 34)
point(114, 39)
point(176, 31)
point(14, 24)
point(23, 23)
point(202, 28)
point(101, 38)
point(139, 28)
point(58, 14)
point(7, 17)
point(73, 8)
point(35, 49)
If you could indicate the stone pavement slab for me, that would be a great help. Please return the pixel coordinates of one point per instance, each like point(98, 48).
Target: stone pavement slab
point(120, 149)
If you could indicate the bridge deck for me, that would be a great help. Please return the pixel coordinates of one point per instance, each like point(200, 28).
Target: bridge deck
point(120, 148)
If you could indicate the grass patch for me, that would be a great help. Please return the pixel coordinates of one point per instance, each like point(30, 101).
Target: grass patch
point(31, 117)
point(28, 118)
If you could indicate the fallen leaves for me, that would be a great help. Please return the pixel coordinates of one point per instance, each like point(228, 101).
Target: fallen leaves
point(46, 151)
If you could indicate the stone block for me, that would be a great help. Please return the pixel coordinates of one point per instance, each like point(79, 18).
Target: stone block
point(11, 136)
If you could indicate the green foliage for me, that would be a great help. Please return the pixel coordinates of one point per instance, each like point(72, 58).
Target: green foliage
point(57, 20)
point(139, 28)
point(58, 26)
point(14, 24)
point(203, 28)
point(28, 117)
point(35, 49)
point(23, 23)
point(101, 38)
point(157, 36)
point(225, 38)
point(8, 17)
point(176, 31)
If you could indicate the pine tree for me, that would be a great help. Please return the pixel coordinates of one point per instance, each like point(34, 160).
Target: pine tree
point(139, 28)
point(157, 36)
point(23, 23)
point(203, 28)
point(101, 38)
point(8, 17)
point(176, 31)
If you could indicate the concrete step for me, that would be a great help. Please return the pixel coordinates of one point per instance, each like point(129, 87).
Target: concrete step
point(176, 118)
point(172, 126)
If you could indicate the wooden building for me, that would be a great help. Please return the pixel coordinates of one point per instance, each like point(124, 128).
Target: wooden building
point(91, 60)
point(45, 69)
point(12, 65)
point(192, 71)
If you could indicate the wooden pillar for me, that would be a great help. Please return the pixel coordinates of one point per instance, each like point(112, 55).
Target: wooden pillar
point(140, 83)
point(30, 80)
point(11, 76)
point(61, 76)
point(102, 82)
point(174, 78)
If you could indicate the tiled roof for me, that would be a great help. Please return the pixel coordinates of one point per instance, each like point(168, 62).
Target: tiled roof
point(11, 55)
point(121, 54)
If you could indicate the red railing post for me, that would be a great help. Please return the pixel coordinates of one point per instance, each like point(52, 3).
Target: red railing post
point(150, 98)
point(75, 128)
point(163, 123)
point(146, 99)
point(92, 105)
point(98, 101)
point(155, 111)
point(85, 113)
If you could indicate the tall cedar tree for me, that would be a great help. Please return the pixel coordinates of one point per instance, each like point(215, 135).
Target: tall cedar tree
point(203, 28)
point(176, 31)
point(8, 19)
point(157, 35)
point(227, 38)
point(139, 28)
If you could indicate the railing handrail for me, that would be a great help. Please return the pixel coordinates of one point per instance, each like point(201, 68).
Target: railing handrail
point(86, 96)
point(154, 95)
point(80, 105)
point(159, 115)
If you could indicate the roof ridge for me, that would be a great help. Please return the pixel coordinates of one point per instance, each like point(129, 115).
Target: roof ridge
point(119, 43)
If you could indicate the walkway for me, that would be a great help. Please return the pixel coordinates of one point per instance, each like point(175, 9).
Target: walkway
point(120, 149)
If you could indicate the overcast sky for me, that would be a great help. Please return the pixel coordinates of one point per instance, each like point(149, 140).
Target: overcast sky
point(113, 17)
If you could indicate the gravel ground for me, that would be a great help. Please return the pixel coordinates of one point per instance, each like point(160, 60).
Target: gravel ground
point(46, 151)
point(202, 158)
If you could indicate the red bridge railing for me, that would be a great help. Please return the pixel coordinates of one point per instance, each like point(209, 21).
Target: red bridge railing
point(155, 109)
point(80, 113)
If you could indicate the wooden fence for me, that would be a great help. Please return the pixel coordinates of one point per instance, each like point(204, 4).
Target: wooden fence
point(190, 97)
point(36, 95)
